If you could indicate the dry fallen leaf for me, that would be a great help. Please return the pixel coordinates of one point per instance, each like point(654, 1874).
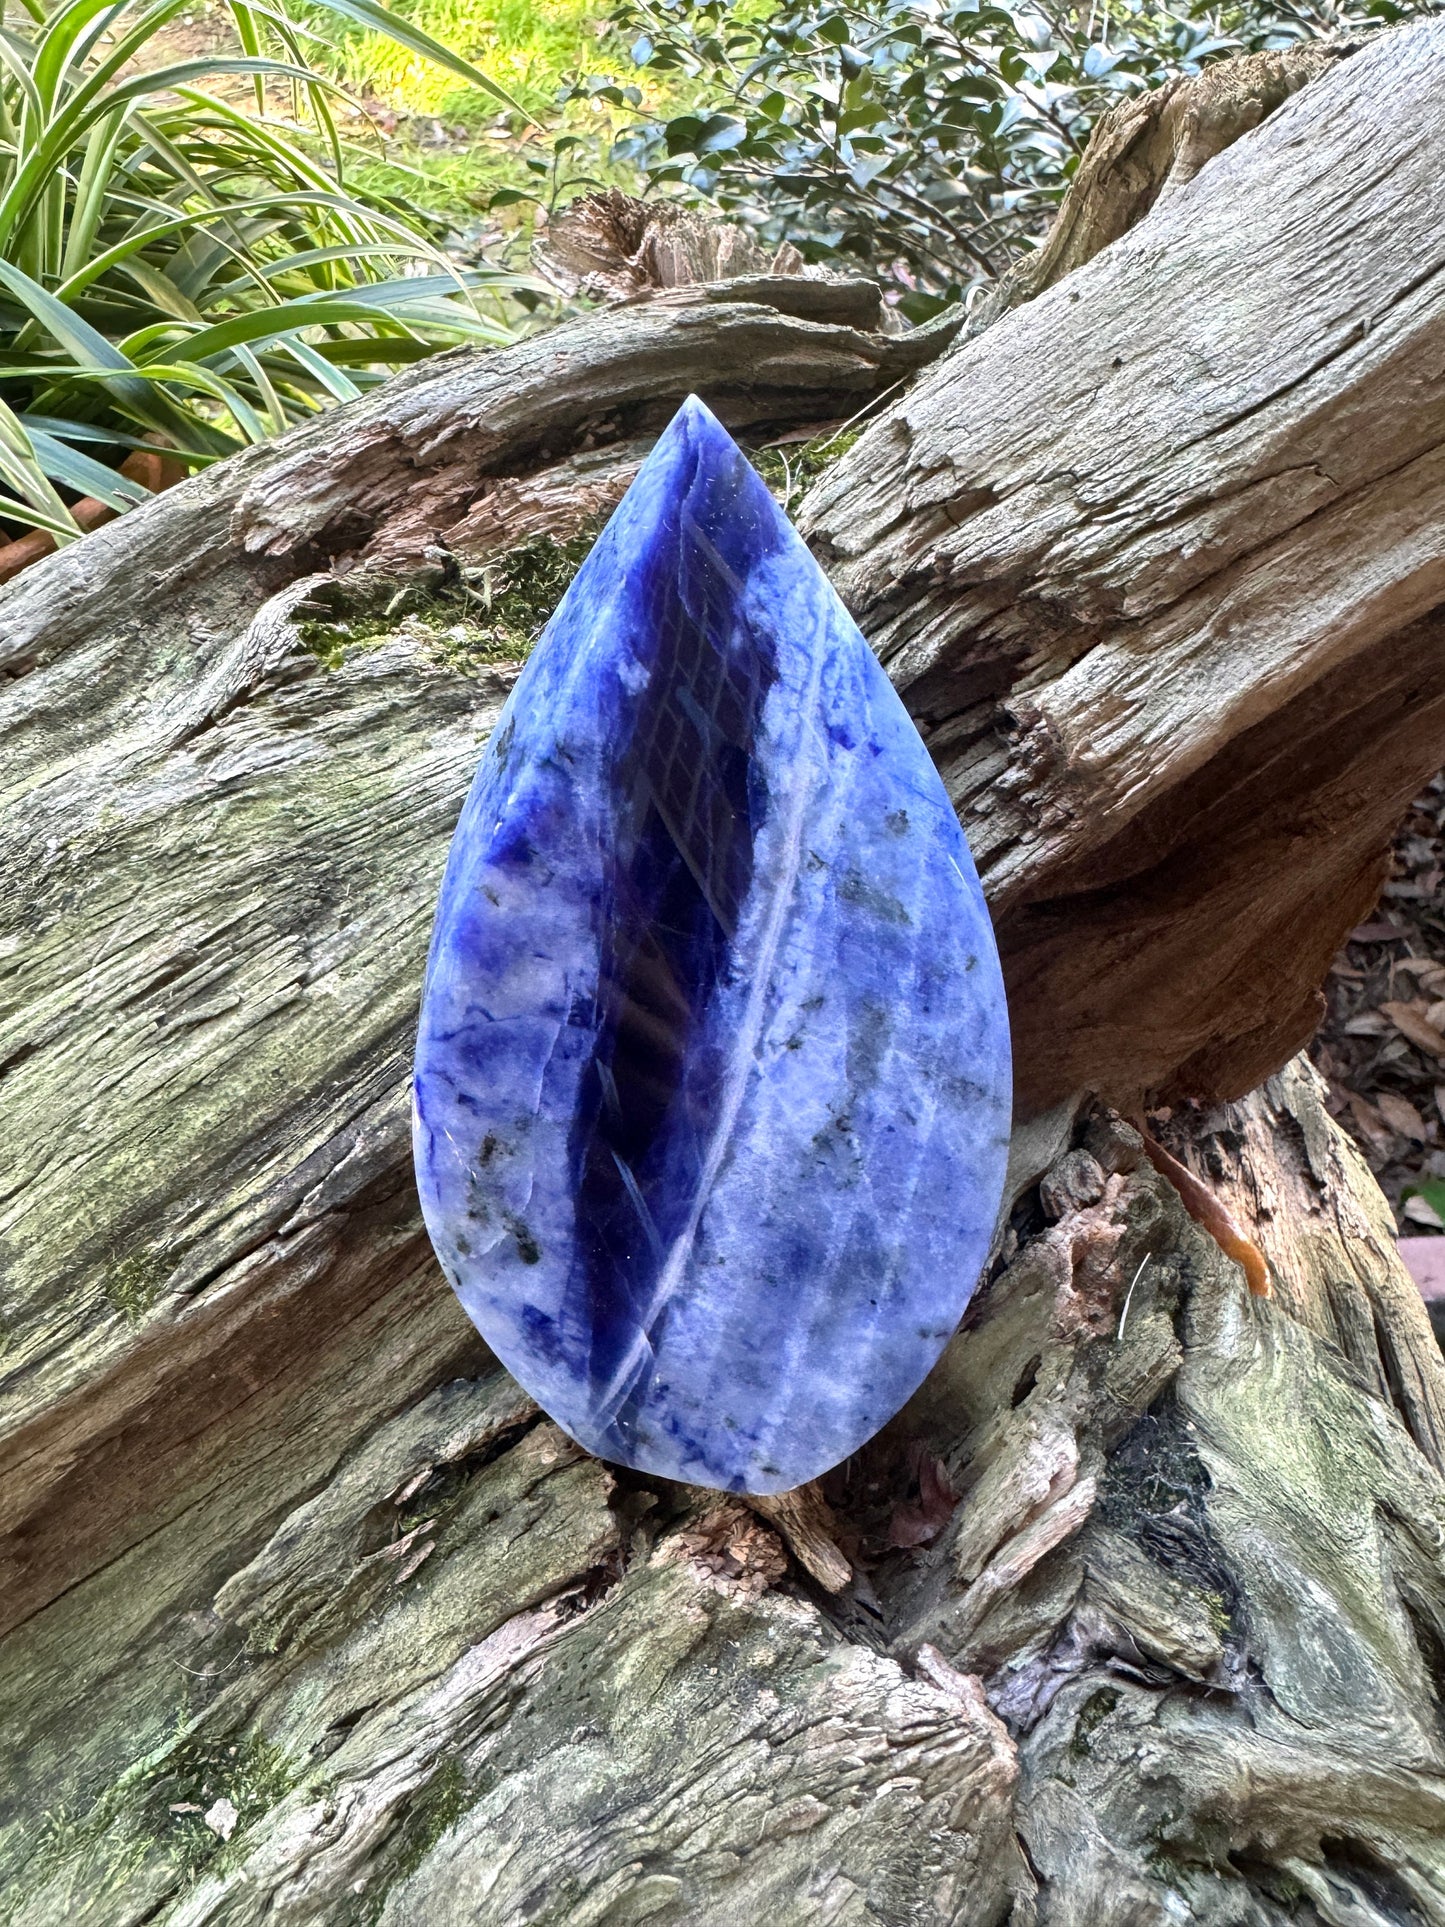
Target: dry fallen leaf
point(919, 1522)
point(1428, 974)
point(1400, 1114)
point(1369, 1023)
point(1420, 1211)
point(1385, 1024)
point(1370, 1123)
point(1208, 1209)
point(1414, 1025)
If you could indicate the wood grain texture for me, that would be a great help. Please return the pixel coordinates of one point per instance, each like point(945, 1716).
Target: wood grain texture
point(1157, 559)
point(278, 1531)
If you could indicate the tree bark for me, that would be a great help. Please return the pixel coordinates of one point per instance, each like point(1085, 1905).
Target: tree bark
point(1137, 1613)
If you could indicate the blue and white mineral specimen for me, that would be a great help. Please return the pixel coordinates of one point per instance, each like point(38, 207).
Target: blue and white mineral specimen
point(712, 1082)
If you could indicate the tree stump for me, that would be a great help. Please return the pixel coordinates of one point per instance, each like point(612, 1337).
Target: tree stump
point(1137, 1613)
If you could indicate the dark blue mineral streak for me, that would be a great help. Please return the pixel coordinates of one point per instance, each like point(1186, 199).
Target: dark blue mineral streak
point(712, 1081)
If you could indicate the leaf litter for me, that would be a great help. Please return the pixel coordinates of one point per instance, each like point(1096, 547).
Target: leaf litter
point(1381, 1047)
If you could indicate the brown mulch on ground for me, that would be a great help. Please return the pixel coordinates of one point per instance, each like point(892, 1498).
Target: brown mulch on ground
point(1382, 1043)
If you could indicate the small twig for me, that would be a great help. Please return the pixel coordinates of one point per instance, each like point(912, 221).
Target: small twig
point(209, 1672)
point(843, 427)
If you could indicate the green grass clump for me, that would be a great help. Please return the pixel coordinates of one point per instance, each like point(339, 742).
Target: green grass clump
point(452, 153)
point(84, 1859)
point(526, 48)
point(184, 263)
point(789, 468)
point(249, 1772)
point(491, 175)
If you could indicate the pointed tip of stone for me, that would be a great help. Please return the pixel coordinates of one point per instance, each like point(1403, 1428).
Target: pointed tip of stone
point(695, 409)
point(696, 420)
point(701, 441)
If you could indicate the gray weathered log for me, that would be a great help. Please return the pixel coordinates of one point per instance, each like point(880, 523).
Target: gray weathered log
point(1156, 561)
point(309, 1616)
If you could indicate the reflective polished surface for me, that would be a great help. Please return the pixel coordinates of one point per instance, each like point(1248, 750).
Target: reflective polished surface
point(712, 1079)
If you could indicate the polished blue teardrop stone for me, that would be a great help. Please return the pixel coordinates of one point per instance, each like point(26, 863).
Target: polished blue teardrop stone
point(712, 1080)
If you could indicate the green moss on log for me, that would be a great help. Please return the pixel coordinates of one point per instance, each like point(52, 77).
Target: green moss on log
point(465, 617)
